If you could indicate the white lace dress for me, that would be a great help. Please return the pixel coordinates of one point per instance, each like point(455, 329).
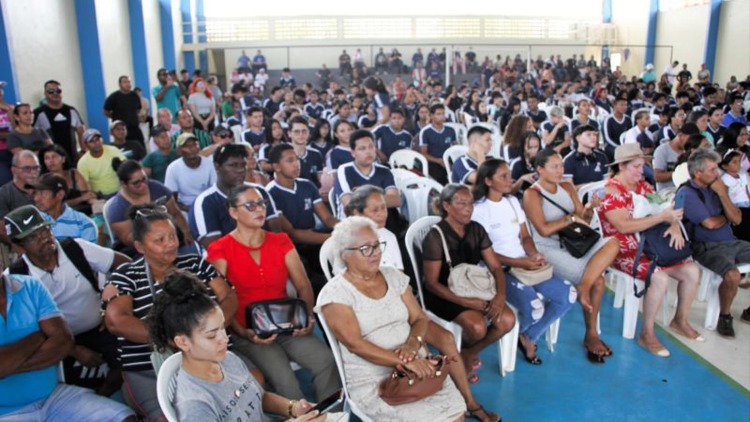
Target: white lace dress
point(385, 323)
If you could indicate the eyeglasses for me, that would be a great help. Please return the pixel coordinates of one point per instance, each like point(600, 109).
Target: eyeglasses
point(27, 169)
point(459, 204)
point(368, 250)
point(148, 212)
point(253, 205)
point(138, 182)
point(54, 91)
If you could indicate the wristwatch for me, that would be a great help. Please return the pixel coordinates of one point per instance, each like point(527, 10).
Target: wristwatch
point(570, 218)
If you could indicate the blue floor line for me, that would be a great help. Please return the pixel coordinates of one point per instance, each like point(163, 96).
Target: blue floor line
point(632, 386)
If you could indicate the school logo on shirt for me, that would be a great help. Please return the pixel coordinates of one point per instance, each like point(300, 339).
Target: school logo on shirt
point(448, 140)
point(308, 204)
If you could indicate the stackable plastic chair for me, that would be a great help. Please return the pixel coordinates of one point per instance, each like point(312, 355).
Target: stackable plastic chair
point(406, 158)
point(165, 385)
point(450, 156)
point(416, 192)
point(708, 291)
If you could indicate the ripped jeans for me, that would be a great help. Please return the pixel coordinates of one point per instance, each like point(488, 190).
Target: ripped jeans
point(541, 305)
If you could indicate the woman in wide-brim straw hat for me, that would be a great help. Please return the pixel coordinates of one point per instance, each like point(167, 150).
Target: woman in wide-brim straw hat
point(616, 214)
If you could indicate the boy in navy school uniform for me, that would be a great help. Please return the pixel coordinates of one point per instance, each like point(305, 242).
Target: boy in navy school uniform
point(434, 140)
point(392, 136)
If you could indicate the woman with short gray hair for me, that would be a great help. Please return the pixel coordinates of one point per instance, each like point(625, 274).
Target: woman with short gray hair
point(373, 314)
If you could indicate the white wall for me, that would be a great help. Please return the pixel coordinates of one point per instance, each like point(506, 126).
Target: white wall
point(631, 18)
point(686, 30)
point(152, 26)
point(113, 23)
point(177, 30)
point(733, 47)
point(43, 39)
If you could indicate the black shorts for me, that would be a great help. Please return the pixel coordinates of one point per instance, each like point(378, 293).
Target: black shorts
point(721, 257)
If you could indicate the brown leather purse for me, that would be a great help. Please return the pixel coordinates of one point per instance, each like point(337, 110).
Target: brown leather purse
point(403, 386)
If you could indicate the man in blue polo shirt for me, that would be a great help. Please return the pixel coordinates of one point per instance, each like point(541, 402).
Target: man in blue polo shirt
point(34, 338)
point(586, 163)
point(735, 111)
point(209, 217)
point(310, 160)
point(434, 140)
point(392, 137)
point(255, 134)
point(709, 212)
point(364, 171)
point(465, 167)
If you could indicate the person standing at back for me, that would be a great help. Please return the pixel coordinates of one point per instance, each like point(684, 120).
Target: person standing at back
point(124, 104)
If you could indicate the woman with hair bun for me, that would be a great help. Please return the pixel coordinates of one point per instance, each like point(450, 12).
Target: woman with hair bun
point(212, 383)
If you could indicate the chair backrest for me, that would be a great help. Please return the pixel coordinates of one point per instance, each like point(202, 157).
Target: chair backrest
point(585, 191)
point(407, 158)
point(334, 203)
point(414, 237)
point(165, 385)
point(416, 192)
point(237, 133)
point(336, 350)
point(105, 214)
point(450, 156)
point(326, 258)
point(460, 132)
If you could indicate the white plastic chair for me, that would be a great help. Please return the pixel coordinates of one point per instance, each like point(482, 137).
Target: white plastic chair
point(585, 191)
point(708, 291)
point(507, 348)
point(165, 385)
point(406, 158)
point(105, 214)
point(326, 258)
point(349, 405)
point(450, 156)
point(334, 203)
point(460, 132)
point(416, 192)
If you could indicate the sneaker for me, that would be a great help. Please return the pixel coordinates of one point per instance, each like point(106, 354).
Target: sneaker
point(724, 326)
point(745, 317)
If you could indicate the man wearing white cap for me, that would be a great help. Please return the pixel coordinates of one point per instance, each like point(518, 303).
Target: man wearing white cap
point(96, 164)
point(648, 74)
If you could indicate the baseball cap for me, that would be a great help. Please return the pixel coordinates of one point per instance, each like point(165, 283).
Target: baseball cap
point(221, 130)
point(90, 133)
point(183, 138)
point(52, 182)
point(23, 221)
point(649, 66)
point(115, 123)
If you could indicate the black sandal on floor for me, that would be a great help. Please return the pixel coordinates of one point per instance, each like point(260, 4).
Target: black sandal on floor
point(535, 360)
point(593, 357)
point(473, 414)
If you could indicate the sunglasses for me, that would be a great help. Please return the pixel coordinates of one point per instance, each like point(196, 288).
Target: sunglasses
point(138, 182)
point(225, 136)
point(148, 212)
point(253, 205)
point(54, 91)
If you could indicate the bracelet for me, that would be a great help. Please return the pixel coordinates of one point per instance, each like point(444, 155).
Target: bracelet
point(292, 403)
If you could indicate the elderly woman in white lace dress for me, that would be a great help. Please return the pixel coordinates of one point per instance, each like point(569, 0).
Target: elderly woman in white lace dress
point(373, 314)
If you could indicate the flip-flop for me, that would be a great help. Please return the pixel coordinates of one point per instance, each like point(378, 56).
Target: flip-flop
point(473, 378)
point(474, 412)
point(609, 349)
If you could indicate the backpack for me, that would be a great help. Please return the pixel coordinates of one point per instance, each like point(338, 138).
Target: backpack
point(657, 249)
point(74, 252)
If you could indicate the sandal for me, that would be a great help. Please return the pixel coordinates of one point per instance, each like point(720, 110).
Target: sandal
point(594, 357)
point(476, 365)
point(534, 360)
point(473, 377)
point(474, 414)
point(609, 349)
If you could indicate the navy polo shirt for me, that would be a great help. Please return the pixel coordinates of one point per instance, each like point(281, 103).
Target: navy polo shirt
point(537, 116)
point(590, 122)
point(339, 155)
point(310, 164)
point(349, 177)
point(314, 110)
point(297, 204)
point(698, 209)
point(379, 101)
point(389, 141)
point(463, 167)
point(254, 138)
point(586, 168)
point(209, 215)
point(437, 142)
point(614, 128)
point(559, 137)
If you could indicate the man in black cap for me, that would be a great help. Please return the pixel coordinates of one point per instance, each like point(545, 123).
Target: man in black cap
point(220, 136)
point(50, 192)
point(68, 270)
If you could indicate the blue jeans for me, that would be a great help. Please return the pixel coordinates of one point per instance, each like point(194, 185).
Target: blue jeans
point(541, 305)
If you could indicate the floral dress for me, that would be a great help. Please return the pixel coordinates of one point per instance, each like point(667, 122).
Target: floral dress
point(625, 260)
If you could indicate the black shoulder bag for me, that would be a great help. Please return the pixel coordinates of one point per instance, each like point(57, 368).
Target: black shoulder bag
point(576, 238)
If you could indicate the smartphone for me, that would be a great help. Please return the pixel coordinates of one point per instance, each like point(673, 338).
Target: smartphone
point(330, 402)
point(679, 199)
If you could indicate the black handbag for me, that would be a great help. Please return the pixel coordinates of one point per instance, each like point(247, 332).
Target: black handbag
point(576, 238)
point(280, 316)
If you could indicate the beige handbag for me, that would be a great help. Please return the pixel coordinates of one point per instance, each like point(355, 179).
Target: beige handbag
point(532, 277)
point(467, 280)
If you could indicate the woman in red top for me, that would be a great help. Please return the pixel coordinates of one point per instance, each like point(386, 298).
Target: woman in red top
point(616, 214)
point(258, 264)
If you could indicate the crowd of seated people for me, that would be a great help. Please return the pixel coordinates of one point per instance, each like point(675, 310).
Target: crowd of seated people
point(230, 197)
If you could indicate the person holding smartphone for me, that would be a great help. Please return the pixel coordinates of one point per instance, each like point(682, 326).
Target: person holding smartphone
point(212, 383)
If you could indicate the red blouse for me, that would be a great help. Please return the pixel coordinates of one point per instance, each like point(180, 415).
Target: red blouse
point(253, 282)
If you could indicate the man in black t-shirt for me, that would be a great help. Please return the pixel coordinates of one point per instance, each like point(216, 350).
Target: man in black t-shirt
point(120, 138)
point(124, 105)
point(61, 121)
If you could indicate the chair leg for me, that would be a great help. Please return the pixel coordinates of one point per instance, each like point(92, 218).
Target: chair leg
point(712, 302)
point(630, 316)
point(621, 285)
point(507, 349)
point(551, 335)
point(665, 314)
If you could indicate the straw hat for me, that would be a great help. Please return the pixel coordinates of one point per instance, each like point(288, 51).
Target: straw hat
point(627, 152)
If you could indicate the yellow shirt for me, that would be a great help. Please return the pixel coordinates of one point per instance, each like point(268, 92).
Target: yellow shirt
point(99, 173)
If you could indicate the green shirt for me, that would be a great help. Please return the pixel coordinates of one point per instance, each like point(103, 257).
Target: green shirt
point(158, 163)
point(204, 139)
